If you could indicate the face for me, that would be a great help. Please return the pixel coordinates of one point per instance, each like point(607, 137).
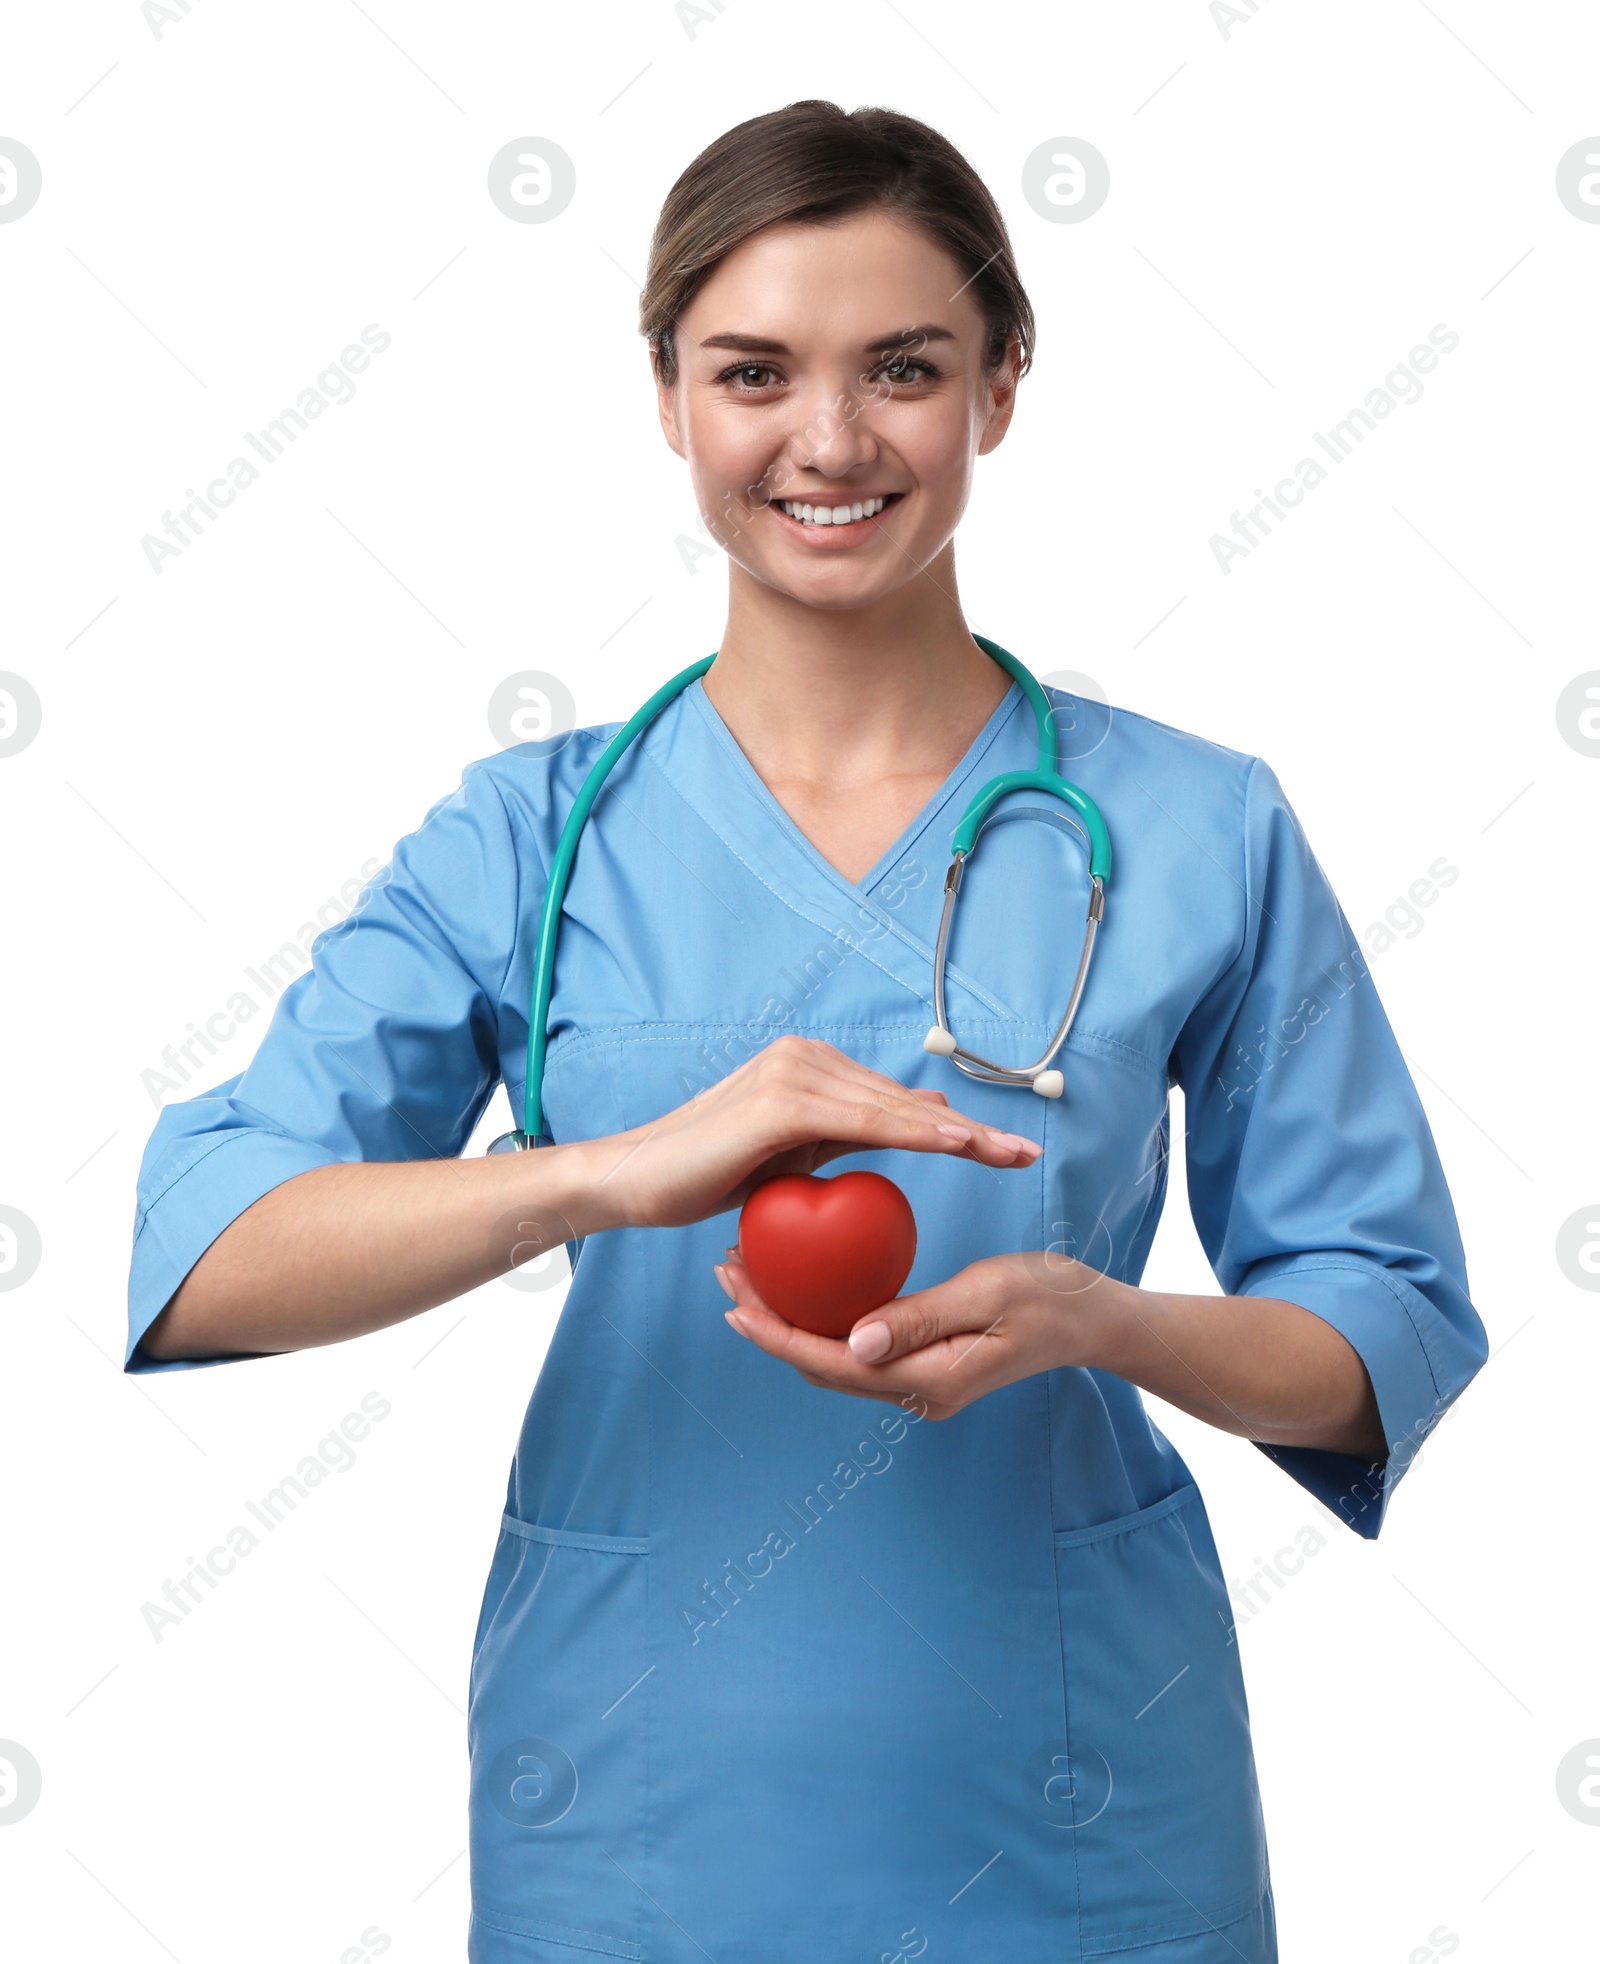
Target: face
point(837, 367)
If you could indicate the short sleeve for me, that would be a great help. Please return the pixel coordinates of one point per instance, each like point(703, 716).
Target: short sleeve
point(385, 1048)
point(1312, 1173)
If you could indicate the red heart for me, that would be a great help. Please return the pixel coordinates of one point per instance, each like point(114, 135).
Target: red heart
point(824, 1252)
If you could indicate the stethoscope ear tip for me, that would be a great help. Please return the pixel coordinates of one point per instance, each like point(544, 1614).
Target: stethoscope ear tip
point(1049, 1084)
point(939, 1043)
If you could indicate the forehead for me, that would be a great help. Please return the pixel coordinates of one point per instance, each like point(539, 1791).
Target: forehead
point(852, 280)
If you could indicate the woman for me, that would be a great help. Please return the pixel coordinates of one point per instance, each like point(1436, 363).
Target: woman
point(795, 1648)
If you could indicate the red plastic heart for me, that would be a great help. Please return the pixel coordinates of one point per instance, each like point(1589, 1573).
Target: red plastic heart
point(824, 1252)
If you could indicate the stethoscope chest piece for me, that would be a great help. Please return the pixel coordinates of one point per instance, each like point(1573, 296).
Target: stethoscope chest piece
point(940, 1043)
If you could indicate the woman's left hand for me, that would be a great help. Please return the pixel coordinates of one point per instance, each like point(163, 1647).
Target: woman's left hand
point(1002, 1319)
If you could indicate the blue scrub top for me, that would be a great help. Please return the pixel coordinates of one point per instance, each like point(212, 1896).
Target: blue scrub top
point(768, 1672)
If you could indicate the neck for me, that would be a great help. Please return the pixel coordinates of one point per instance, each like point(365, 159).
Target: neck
point(837, 698)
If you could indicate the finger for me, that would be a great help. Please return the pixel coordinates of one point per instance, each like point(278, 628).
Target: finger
point(883, 1393)
point(750, 1312)
point(1009, 1148)
point(755, 1319)
point(992, 1147)
point(927, 1118)
point(831, 1365)
point(964, 1318)
point(874, 1122)
point(737, 1286)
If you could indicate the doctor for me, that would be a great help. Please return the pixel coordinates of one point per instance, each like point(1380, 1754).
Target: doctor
point(796, 1650)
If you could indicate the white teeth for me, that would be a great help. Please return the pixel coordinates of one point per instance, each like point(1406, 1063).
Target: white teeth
point(832, 514)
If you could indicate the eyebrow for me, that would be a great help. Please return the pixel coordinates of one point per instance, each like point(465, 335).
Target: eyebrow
point(755, 344)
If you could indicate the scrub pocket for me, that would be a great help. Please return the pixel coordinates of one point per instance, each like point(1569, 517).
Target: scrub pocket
point(1166, 1811)
point(557, 1731)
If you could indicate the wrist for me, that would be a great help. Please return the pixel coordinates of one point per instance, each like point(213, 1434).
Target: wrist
point(580, 1185)
point(1106, 1325)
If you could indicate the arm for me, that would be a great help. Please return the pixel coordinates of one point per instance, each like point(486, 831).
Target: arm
point(321, 1193)
point(339, 1250)
point(376, 1066)
point(1251, 1365)
point(1345, 1330)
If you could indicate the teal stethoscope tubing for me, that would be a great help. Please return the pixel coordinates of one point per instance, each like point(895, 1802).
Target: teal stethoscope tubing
point(939, 1040)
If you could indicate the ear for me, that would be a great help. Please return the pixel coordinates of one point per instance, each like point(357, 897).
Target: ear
point(667, 408)
point(1002, 389)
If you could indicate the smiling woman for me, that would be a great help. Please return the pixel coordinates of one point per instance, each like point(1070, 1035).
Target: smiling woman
point(998, 1699)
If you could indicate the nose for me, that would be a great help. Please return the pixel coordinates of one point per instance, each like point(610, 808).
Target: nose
point(834, 435)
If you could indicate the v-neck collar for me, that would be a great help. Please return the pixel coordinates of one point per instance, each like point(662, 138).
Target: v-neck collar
point(939, 803)
point(697, 752)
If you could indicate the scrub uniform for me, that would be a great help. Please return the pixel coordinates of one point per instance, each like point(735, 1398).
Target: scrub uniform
point(770, 1674)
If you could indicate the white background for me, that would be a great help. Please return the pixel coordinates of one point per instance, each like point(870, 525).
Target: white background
point(1294, 204)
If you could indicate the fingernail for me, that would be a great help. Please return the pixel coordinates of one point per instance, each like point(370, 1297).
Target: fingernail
point(954, 1132)
point(871, 1341)
point(733, 1316)
point(722, 1278)
point(1012, 1141)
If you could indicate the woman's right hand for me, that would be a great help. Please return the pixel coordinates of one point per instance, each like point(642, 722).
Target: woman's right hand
point(345, 1248)
point(791, 1108)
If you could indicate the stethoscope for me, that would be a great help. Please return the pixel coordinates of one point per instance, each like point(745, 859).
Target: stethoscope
point(1040, 1076)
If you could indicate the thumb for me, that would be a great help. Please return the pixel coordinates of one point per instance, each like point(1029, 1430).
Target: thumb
point(908, 1323)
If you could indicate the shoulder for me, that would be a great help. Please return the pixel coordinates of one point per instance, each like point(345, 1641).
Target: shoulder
point(528, 789)
point(1212, 783)
point(474, 847)
point(1182, 808)
point(1141, 736)
point(532, 774)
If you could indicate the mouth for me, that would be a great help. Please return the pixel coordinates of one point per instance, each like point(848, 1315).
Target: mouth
point(842, 522)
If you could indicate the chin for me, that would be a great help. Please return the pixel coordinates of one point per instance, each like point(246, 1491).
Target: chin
point(830, 596)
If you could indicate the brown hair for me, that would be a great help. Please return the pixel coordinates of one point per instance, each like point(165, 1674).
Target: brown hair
point(813, 161)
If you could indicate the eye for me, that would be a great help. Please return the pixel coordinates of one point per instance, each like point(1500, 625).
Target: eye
point(749, 374)
point(906, 368)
